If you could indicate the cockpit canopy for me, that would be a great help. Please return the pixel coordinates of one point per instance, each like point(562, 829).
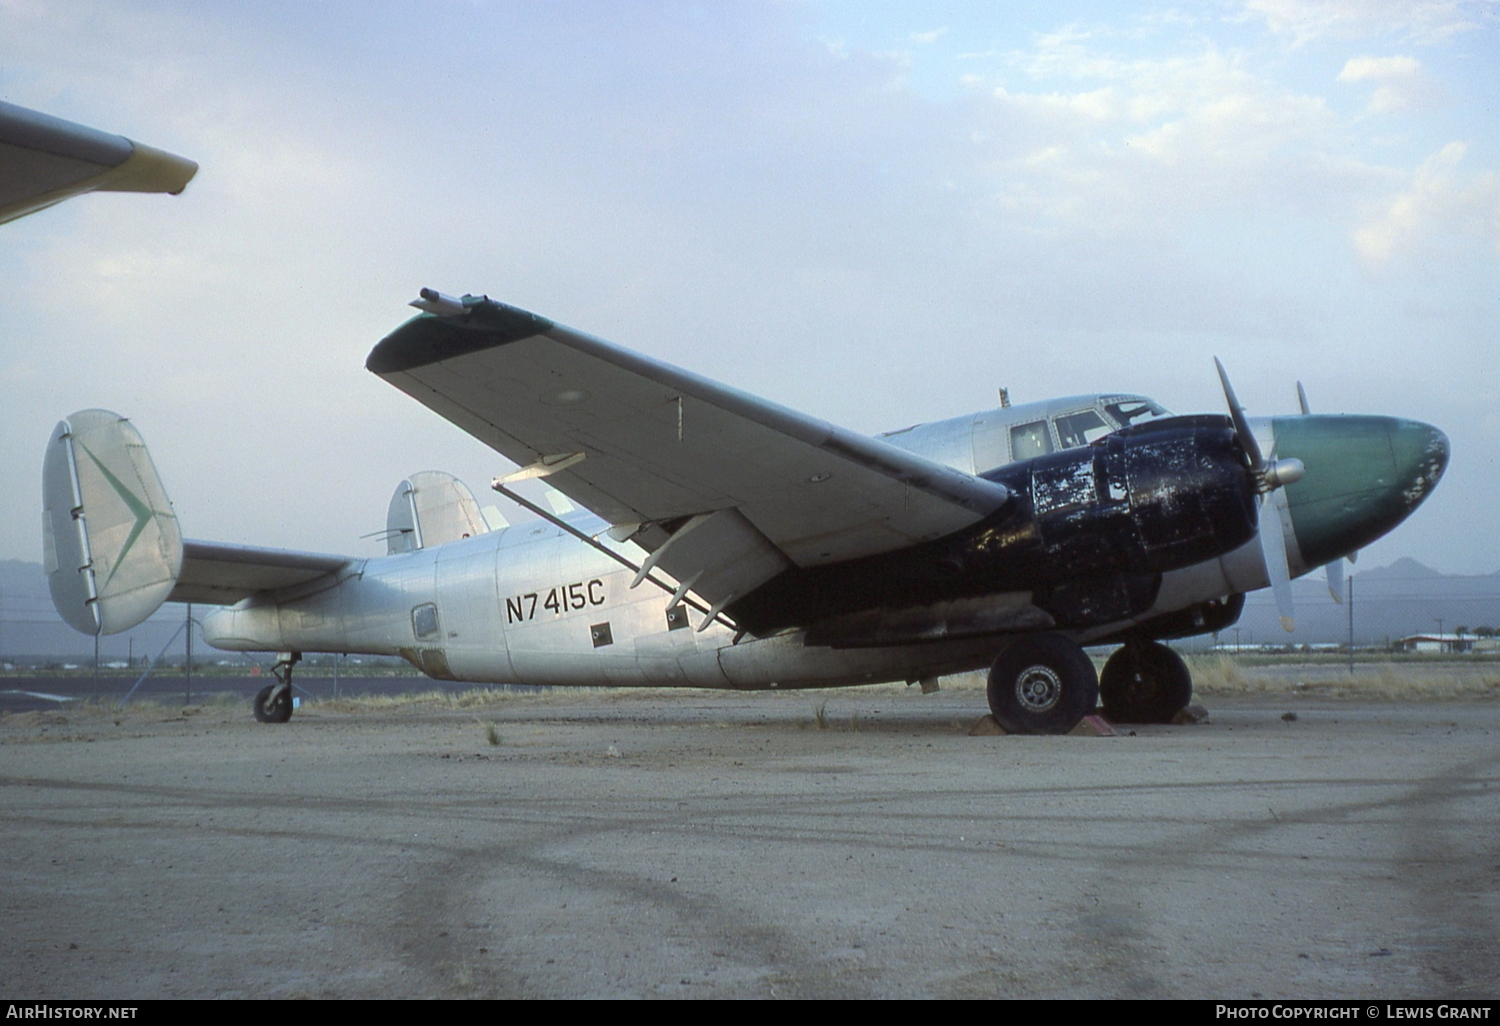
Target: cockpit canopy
point(992, 438)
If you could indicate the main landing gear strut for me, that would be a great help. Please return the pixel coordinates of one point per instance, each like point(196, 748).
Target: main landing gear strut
point(273, 704)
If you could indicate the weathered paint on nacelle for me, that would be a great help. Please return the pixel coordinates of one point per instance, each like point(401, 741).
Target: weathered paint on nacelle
point(1088, 533)
point(1142, 500)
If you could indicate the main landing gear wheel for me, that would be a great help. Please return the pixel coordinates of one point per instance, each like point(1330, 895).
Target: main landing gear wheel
point(1042, 684)
point(273, 703)
point(1145, 682)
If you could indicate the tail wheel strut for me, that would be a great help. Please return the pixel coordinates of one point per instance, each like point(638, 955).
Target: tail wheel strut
point(273, 703)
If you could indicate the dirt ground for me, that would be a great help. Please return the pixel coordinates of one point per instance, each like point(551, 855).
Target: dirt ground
point(653, 844)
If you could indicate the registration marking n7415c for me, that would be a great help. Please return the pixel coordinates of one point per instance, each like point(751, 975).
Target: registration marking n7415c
point(562, 599)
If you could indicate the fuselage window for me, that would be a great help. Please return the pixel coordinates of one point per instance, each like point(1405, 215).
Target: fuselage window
point(424, 621)
point(1028, 440)
point(1081, 428)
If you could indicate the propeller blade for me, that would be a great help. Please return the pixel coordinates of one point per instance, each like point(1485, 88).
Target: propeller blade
point(1302, 400)
point(1241, 422)
point(1273, 551)
point(1336, 580)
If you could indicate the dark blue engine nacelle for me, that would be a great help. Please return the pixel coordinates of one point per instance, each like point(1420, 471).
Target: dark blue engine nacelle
point(1142, 500)
point(1089, 532)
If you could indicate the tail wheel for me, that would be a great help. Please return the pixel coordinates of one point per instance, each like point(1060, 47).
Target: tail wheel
point(273, 704)
point(1145, 682)
point(1042, 684)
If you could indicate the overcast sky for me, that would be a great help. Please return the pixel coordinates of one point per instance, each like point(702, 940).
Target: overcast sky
point(877, 213)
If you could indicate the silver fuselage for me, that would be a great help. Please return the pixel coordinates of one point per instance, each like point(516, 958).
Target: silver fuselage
point(531, 604)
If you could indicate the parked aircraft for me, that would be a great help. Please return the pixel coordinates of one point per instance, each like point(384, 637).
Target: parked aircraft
point(45, 160)
point(728, 542)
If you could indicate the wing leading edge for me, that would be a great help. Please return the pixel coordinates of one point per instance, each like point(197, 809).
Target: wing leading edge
point(728, 485)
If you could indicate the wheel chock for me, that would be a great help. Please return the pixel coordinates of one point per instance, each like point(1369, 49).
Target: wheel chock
point(1190, 715)
point(1089, 726)
point(1093, 725)
point(987, 727)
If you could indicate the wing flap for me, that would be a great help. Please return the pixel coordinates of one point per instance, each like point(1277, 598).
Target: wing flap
point(720, 556)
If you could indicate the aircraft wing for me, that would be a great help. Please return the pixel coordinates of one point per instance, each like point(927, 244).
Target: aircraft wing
point(223, 574)
point(735, 487)
point(45, 160)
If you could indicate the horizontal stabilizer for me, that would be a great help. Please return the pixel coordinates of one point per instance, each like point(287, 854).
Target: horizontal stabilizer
point(223, 574)
point(111, 546)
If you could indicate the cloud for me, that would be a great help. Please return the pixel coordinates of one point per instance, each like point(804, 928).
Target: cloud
point(1148, 140)
point(1439, 201)
point(706, 184)
point(929, 37)
point(1357, 69)
point(1402, 83)
point(1423, 21)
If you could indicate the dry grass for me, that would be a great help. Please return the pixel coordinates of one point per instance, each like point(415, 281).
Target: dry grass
point(1214, 676)
point(1222, 676)
point(975, 680)
point(1219, 675)
point(478, 698)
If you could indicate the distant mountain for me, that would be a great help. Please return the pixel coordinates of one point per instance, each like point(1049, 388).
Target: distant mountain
point(30, 627)
point(1392, 601)
point(1404, 568)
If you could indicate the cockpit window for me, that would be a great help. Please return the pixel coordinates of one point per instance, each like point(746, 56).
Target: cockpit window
point(1081, 428)
point(1028, 440)
point(1131, 410)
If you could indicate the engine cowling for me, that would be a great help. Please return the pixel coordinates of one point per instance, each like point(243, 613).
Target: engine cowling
point(1142, 500)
